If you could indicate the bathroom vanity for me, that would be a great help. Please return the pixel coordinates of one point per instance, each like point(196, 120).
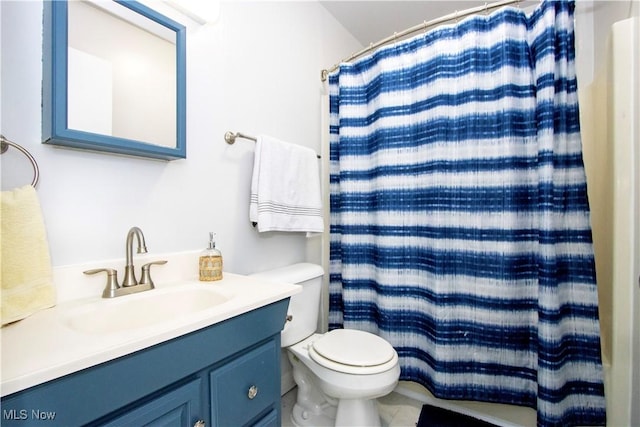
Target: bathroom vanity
point(219, 366)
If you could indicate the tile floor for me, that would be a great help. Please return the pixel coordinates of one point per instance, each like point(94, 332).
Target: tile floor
point(395, 410)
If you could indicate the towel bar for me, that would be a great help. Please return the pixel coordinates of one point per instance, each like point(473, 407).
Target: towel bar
point(230, 137)
point(4, 146)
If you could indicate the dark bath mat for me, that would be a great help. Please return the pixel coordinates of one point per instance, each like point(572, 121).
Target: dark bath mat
point(432, 416)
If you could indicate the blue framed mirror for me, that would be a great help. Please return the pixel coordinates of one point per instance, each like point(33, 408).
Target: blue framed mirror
point(114, 78)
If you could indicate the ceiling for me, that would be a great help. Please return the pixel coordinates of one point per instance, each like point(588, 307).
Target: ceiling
point(371, 21)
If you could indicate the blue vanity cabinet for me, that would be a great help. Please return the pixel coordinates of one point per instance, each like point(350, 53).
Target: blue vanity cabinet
point(178, 407)
point(227, 374)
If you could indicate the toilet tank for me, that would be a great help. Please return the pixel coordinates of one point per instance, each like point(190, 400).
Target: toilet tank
point(304, 307)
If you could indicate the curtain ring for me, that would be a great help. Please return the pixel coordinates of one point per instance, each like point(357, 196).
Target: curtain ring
point(486, 8)
point(455, 16)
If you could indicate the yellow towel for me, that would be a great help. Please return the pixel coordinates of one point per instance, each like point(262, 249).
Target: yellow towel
point(25, 265)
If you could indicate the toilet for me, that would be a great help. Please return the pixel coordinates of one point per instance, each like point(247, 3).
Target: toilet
point(340, 373)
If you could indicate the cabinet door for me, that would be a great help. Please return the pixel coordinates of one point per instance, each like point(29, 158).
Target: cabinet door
point(246, 387)
point(272, 419)
point(178, 407)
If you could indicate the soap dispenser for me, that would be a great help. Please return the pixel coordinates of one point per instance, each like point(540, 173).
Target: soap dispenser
point(211, 262)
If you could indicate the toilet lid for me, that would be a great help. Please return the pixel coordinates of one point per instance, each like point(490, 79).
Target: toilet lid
point(354, 348)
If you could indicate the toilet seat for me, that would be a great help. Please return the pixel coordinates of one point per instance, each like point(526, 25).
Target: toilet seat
point(352, 351)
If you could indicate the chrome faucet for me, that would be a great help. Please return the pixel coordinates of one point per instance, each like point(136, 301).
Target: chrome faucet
point(129, 284)
point(129, 273)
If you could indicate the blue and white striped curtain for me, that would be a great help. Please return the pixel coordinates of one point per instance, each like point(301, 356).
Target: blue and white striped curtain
point(460, 227)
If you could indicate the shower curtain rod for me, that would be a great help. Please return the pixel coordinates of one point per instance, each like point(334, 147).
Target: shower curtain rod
point(420, 27)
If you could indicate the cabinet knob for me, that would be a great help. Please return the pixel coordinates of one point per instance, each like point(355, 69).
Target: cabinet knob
point(253, 392)
point(200, 423)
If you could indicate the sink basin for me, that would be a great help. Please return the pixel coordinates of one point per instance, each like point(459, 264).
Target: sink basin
point(144, 309)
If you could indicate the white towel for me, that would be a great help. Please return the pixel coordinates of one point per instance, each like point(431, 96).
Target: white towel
point(285, 188)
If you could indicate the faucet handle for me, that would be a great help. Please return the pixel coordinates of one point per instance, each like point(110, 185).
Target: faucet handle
point(146, 273)
point(112, 281)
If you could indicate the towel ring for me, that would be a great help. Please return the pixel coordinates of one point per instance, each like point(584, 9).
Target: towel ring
point(4, 146)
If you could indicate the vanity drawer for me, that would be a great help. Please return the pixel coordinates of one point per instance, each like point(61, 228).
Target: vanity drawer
point(246, 387)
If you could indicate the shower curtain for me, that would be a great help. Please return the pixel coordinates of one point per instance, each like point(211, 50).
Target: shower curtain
point(460, 226)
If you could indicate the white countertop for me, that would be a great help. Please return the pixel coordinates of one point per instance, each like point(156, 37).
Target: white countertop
point(43, 347)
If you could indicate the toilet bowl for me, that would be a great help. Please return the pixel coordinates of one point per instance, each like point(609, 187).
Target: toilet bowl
point(351, 388)
point(339, 374)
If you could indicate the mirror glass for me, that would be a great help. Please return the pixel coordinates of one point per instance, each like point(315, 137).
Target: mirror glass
point(116, 79)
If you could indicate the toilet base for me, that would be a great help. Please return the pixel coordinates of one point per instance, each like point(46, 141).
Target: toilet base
point(303, 417)
point(312, 407)
point(357, 413)
point(348, 413)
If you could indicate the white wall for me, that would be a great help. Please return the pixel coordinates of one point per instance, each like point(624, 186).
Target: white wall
point(256, 70)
